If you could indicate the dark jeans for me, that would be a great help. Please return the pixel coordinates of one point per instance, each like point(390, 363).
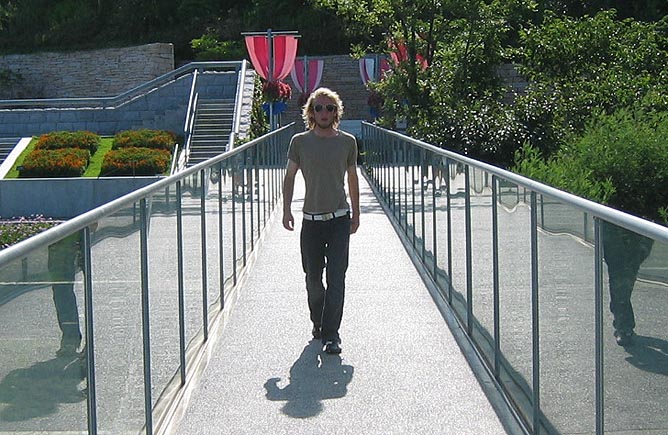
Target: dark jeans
point(62, 265)
point(623, 251)
point(325, 244)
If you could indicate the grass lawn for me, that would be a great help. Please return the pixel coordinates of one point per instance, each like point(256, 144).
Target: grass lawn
point(93, 169)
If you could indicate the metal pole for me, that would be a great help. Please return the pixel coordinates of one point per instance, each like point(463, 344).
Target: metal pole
point(90, 348)
point(495, 266)
point(270, 43)
point(469, 252)
point(535, 321)
point(598, 316)
point(181, 282)
point(145, 316)
point(205, 276)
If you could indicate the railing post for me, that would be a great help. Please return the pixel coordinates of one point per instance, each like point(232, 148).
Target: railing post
point(221, 245)
point(598, 316)
point(469, 251)
point(448, 201)
point(181, 282)
point(205, 275)
point(90, 346)
point(495, 267)
point(146, 330)
point(535, 320)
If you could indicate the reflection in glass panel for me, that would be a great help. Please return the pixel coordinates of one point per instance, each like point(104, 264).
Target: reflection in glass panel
point(117, 314)
point(431, 189)
point(163, 289)
point(555, 218)
point(515, 338)
point(482, 261)
point(566, 313)
point(192, 254)
point(225, 191)
point(42, 375)
point(211, 239)
point(458, 213)
point(635, 373)
point(442, 243)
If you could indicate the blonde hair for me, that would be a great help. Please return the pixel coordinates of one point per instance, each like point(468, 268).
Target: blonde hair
point(307, 110)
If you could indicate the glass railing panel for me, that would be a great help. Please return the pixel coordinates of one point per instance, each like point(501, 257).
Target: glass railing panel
point(163, 289)
point(555, 218)
point(117, 314)
point(431, 189)
point(636, 374)
point(515, 338)
point(458, 212)
point(567, 328)
point(226, 192)
point(192, 254)
point(482, 264)
point(442, 234)
point(212, 237)
point(239, 207)
point(42, 376)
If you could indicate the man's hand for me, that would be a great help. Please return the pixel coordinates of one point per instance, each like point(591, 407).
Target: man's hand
point(354, 223)
point(288, 221)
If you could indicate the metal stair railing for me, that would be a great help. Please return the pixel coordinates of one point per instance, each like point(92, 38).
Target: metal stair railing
point(118, 100)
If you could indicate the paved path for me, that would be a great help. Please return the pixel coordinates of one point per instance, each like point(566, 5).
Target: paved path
point(401, 370)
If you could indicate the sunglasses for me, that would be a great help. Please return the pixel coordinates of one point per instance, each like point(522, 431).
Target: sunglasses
point(330, 107)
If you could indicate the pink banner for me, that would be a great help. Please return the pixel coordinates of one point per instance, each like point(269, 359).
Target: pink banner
point(306, 69)
point(285, 51)
point(400, 54)
point(368, 71)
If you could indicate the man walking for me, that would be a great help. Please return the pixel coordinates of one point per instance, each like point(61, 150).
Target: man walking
point(325, 155)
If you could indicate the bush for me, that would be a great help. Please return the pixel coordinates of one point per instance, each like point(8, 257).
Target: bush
point(131, 161)
point(155, 139)
point(17, 229)
point(69, 139)
point(65, 162)
point(621, 160)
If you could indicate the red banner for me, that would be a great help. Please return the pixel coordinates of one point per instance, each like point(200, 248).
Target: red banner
point(284, 53)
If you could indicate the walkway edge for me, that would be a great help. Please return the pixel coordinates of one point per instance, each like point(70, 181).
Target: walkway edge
point(499, 400)
point(176, 398)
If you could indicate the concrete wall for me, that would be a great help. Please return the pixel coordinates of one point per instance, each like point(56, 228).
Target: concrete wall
point(63, 198)
point(93, 73)
point(162, 108)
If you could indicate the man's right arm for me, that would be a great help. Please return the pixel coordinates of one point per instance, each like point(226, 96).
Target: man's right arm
point(288, 190)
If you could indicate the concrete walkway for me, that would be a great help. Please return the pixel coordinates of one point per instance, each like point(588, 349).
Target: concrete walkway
point(401, 370)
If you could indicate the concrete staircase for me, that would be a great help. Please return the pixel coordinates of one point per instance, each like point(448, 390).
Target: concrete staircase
point(7, 144)
point(211, 131)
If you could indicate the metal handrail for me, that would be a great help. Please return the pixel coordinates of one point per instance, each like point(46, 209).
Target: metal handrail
point(238, 101)
point(115, 101)
point(84, 220)
point(625, 220)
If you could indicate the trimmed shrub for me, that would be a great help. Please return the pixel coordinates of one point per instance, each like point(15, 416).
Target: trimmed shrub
point(131, 161)
point(17, 229)
point(621, 160)
point(65, 162)
point(85, 140)
point(155, 139)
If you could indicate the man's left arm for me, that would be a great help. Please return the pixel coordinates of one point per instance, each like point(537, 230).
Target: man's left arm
point(354, 193)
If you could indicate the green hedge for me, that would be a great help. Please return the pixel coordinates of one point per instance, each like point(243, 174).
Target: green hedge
point(155, 139)
point(47, 163)
point(69, 139)
point(131, 161)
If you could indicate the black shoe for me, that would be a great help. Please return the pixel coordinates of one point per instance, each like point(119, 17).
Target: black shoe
point(317, 334)
point(332, 346)
point(624, 338)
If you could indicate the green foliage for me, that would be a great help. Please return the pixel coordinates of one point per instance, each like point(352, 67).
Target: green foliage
point(146, 138)
point(208, 47)
point(17, 229)
point(134, 161)
point(579, 66)
point(63, 162)
point(620, 160)
point(85, 140)
point(259, 122)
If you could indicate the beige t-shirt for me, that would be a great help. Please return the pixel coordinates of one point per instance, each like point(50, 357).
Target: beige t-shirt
point(323, 162)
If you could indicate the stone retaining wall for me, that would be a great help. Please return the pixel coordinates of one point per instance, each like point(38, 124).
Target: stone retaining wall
point(161, 108)
point(92, 73)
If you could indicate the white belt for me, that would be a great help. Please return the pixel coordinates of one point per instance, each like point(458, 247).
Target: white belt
point(324, 216)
